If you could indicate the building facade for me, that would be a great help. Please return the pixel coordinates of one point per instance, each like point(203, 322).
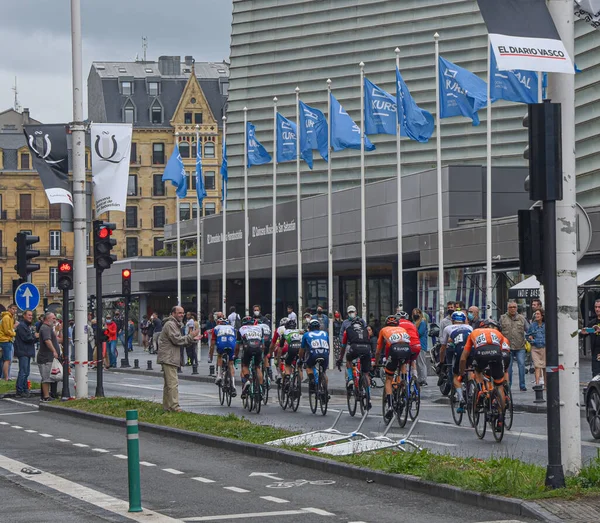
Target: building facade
point(278, 46)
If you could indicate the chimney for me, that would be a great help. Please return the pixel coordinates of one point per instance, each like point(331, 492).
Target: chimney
point(189, 61)
point(25, 115)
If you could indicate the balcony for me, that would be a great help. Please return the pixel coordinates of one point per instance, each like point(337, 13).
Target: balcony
point(48, 253)
point(35, 215)
point(3, 252)
point(131, 225)
point(3, 215)
point(134, 194)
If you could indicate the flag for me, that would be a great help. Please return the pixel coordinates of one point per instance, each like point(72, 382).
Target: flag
point(380, 110)
point(224, 172)
point(175, 173)
point(257, 154)
point(286, 139)
point(513, 86)
point(111, 151)
point(416, 123)
point(461, 92)
point(589, 11)
point(313, 133)
point(200, 189)
point(345, 134)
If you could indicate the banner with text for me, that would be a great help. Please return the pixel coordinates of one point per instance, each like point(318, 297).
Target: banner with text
point(589, 11)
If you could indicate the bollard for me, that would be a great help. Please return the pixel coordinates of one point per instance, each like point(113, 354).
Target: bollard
point(539, 394)
point(136, 364)
point(133, 461)
point(124, 363)
point(149, 364)
point(211, 370)
point(195, 369)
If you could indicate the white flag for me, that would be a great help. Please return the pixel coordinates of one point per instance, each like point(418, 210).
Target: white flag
point(111, 148)
point(588, 10)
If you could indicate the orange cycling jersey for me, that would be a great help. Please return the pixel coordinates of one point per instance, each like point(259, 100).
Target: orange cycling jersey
point(389, 336)
point(482, 337)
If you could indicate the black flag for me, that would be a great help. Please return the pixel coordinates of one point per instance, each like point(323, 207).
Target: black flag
point(48, 147)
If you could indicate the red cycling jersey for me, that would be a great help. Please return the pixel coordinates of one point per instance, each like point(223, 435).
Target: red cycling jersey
point(415, 341)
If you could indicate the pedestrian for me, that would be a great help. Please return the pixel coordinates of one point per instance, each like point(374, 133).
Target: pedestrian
point(323, 319)
point(7, 335)
point(372, 340)
point(421, 325)
point(157, 328)
point(536, 334)
point(71, 331)
point(192, 350)
point(144, 330)
point(209, 326)
point(473, 315)
point(130, 333)
point(90, 333)
point(111, 333)
point(118, 321)
point(593, 328)
point(291, 314)
point(514, 326)
point(446, 321)
point(169, 341)
point(305, 320)
point(49, 350)
point(234, 318)
point(258, 316)
point(337, 328)
point(536, 305)
point(24, 345)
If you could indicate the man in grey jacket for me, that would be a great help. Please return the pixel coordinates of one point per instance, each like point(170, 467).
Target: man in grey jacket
point(24, 350)
point(169, 342)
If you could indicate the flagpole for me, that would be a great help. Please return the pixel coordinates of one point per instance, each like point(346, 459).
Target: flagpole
point(298, 203)
point(363, 240)
point(329, 226)
point(441, 293)
point(178, 244)
point(246, 225)
point(540, 86)
point(488, 195)
point(274, 233)
point(198, 247)
point(224, 238)
point(399, 198)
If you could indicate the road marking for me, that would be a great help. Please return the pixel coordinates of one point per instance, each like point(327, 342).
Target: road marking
point(147, 464)
point(46, 435)
point(269, 475)
point(15, 413)
point(174, 471)
point(82, 445)
point(274, 499)
point(16, 427)
point(30, 431)
point(120, 456)
point(237, 489)
point(225, 517)
point(103, 451)
point(25, 404)
point(203, 480)
point(83, 493)
point(63, 440)
point(318, 511)
point(4, 423)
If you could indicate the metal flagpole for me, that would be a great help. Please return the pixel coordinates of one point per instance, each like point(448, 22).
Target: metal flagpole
point(363, 239)
point(441, 293)
point(80, 290)
point(178, 244)
point(329, 228)
point(298, 203)
point(540, 87)
point(224, 238)
point(246, 224)
point(488, 192)
point(198, 248)
point(399, 202)
point(274, 233)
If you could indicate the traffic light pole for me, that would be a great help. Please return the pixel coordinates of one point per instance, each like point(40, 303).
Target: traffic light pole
point(66, 393)
point(126, 332)
point(99, 337)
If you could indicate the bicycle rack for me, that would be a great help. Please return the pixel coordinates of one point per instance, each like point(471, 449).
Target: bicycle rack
point(310, 438)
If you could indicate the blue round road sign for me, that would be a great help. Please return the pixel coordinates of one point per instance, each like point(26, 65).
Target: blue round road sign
point(27, 296)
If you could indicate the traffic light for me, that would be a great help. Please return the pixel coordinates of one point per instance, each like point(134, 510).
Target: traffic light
point(65, 275)
point(103, 244)
point(126, 282)
point(23, 267)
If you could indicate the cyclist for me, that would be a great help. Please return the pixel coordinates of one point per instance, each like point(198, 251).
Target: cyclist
point(398, 351)
point(224, 339)
point(454, 339)
point(250, 338)
point(293, 337)
point(315, 345)
point(459, 319)
point(266, 330)
point(357, 337)
point(275, 349)
point(409, 326)
point(487, 344)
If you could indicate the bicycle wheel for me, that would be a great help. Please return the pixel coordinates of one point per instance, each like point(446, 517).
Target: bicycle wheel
point(496, 423)
point(454, 404)
point(352, 400)
point(446, 385)
point(400, 403)
point(295, 391)
point(227, 387)
point(313, 395)
point(414, 398)
point(470, 394)
point(323, 392)
point(221, 392)
point(364, 393)
point(283, 391)
point(384, 407)
point(480, 413)
point(508, 408)
point(265, 387)
point(255, 391)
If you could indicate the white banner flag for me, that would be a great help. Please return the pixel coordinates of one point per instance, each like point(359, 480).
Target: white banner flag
point(588, 10)
point(111, 146)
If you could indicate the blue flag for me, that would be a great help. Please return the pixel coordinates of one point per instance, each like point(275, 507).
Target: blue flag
point(200, 189)
point(286, 139)
point(416, 123)
point(345, 134)
point(513, 86)
point(175, 173)
point(257, 154)
point(461, 92)
point(313, 133)
point(380, 110)
point(224, 172)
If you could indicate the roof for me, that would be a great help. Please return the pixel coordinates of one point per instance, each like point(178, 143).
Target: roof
point(204, 70)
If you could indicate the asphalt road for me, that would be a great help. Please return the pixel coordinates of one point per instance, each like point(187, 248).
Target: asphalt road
point(84, 478)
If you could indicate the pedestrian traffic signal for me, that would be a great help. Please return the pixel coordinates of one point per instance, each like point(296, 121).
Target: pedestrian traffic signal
point(23, 267)
point(103, 244)
point(65, 275)
point(126, 282)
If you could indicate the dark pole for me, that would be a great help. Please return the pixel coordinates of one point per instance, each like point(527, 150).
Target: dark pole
point(66, 393)
point(99, 336)
point(126, 332)
point(555, 477)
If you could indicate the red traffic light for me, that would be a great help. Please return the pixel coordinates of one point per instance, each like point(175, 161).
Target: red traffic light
point(104, 233)
point(65, 267)
point(126, 273)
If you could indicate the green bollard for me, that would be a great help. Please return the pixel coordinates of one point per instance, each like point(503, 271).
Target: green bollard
point(133, 461)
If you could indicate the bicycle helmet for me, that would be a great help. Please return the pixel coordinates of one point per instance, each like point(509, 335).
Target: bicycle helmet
point(222, 321)
point(391, 321)
point(403, 315)
point(314, 325)
point(283, 321)
point(490, 323)
point(247, 320)
point(290, 324)
point(458, 317)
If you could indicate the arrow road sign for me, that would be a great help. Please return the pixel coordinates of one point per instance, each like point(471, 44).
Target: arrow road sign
point(27, 296)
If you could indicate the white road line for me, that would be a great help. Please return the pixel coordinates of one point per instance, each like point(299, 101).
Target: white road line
point(30, 431)
point(102, 451)
point(15, 413)
point(318, 511)
point(237, 489)
point(4, 423)
point(24, 403)
point(46, 435)
point(227, 517)
point(274, 499)
point(82, 445)
point(203, 480)
point(120, 456)
point(83, 493)
point(173, 471)
point(16, 427)
point(147, 464)
point(63, 440)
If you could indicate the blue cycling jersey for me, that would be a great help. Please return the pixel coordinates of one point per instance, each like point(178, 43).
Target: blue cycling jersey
point(459, 336)
point(225, 337)
point(315, 341)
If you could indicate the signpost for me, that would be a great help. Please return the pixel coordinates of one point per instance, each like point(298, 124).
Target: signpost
point(27, 296)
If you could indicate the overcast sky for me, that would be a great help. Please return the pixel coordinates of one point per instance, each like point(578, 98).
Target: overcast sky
point(35, 43)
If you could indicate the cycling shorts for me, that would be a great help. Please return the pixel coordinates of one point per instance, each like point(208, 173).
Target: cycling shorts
point(456, 361)
point(222, 350)
point(398, 355)
point(250, 351)
point(362, 351)
point(489, 355)
point(506, 360)
point(313, 355)
point(291, 355)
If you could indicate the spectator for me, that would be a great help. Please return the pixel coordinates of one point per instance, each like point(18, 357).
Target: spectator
point(169, 341)
point(111, 333)
point(257, 314)
point(421, 325)
point(372, 340)
point(323, 319)
point(446, 320)
point(71, 332)
point(90, 332)
point(130, 333)
point(209, 326)
point(192, 350)
point(460, 305)
point(514, 326)
point(49, 350)
point(118, 321)
point(305, 319)
point(7, 335)
point(291, 314)
point(337, 324)
point(234, 318)
point(595, 339)
point(536, 305)
point(473, 315)
point(24, 346)
point(536, 334)
point(144, 330)
point(157, 328)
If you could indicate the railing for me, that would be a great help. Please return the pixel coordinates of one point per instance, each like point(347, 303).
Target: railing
point(159, 192)
point(3, 215)
point(136, 194)
point(3, 252)
point(158, 224)
point(136, 225)
point(30, 214)
point(61, 251)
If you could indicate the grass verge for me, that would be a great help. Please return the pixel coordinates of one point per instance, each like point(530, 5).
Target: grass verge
point(501, 475)
point(11, 386)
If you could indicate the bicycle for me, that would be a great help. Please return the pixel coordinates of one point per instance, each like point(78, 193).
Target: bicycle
point(319, 395)
point(468, 389)
point(253, 399)
point(266, 386)
point(289, 389)
point(226, 384)
point(486, 410)
point(399, 399)
point(413, 395)
point(360, 393)
point(508, 406)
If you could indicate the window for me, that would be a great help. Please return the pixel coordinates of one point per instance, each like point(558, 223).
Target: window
point(131, 221)
point(184, 149)
point(192, 184)
point(87, 244)
point(132, 187)
point(153, 88)
point(209, 208)
point(209, 150)
point(54, 213)
point(132, 247)
point(25, 161)
point(126, 88)
point(156, 113)
point(187, 118)
point(54, 243)
point(158, 153)
point(194, 150)
point(129, 112)
point(158, 245)
point(197, 118)
point(53, 280)
point(184, 211)
point(158, 188)
point(209, 180)
point(195, 211)
point(133, 154)
point(159, 217)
